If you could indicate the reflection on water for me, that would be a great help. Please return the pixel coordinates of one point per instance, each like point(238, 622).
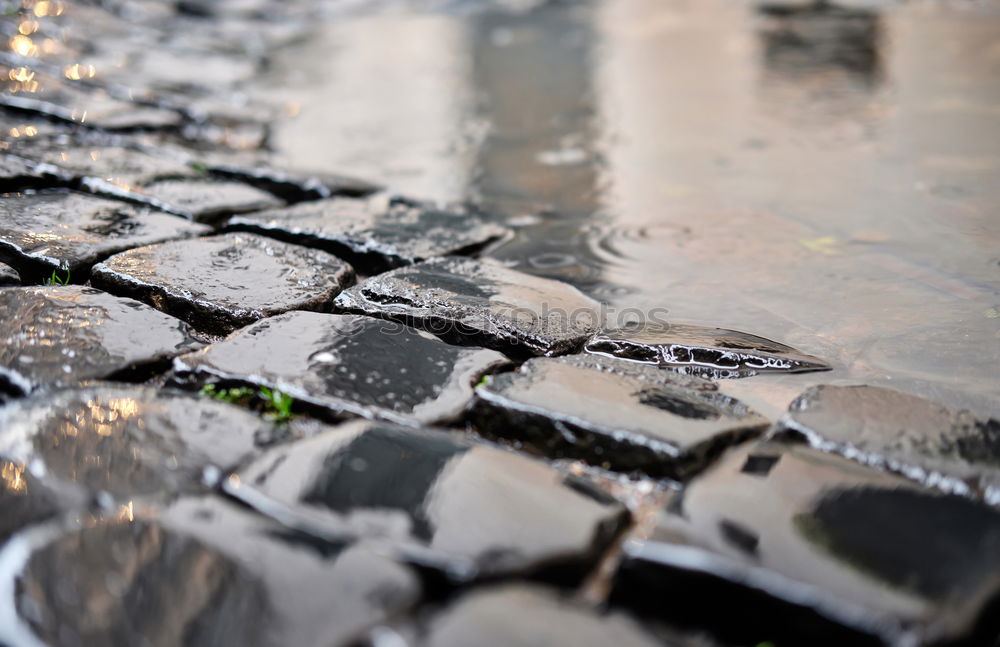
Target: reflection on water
point(822, 178)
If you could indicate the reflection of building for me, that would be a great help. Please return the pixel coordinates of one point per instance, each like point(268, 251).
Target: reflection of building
point(823, 39)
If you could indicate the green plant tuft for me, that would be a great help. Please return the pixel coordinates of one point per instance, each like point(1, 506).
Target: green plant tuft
point(55, 279)
point(483, 380)
point(274, 405)
point(198, 166)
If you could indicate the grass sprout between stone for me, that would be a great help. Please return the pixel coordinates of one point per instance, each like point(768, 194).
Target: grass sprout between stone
point(55, 279)
point(275, 405)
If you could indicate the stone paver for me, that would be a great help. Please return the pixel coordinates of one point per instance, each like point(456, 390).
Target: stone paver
point(61, 335)
point(225, 282)
point(349, 364)
point(202, 572)
point(63, 231)
point(207, 200)
point(8, 275)
point(297, 186)
point(469, 509)
point(376, 234)
point(127, 441)
point(480, 302)
point(715, 352)
point(917, 438)
point(569, 407)
point(813, 547)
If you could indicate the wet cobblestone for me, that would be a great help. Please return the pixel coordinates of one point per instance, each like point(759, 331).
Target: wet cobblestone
point(248, 404)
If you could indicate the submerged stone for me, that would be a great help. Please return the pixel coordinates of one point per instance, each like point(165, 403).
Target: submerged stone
point(225, 282)
point(467, 508)
point(59, 231)
point(577, 407)
point(803, 547)
point(525, 614)
point(200, 573)
point(714, 352)
point(9, 276)
point(349, 364)
point(951, 450)
point(297, 186)
point(207, 200)
point(59, 335)
point(480, 302)
point(127, 441)
point(376, 234)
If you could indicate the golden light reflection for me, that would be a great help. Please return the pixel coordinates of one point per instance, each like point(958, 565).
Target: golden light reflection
point(27, 27)
point(23, 131)
point(47, 8)
point(22, 45)
point(234, 480)
point(77, 71)
point(20, 74)
point(126, 512)
point(12, 475)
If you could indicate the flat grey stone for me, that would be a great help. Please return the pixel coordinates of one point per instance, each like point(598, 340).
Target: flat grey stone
point(811, 548)
point(296, 186)
point(19, 174)
point(127, 441)
point(475, 509)
point(207, 200)
point(526, 614)
point(349, 364)
point(714, 352)
point(664, 425)
point(59, 231)
point(9, 276)
point(201, 573)
point(480, 302)
point(225, 282)
point(919, 439)
point(117, 165)
point(378, 233)
point(60, 335)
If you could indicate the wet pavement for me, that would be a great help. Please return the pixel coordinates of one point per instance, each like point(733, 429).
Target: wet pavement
point(499, 322)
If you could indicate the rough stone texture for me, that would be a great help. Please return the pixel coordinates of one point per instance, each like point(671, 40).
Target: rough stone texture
point(917, 438)
point(519, 614)
point(480, 302)
point(469, 509)
point(9, 276)
point(297, 186)
point(127, 441)
point(714, 352)
point(207, 200)
point(803, 547)
point(376, 234)
point(348, 363)
point(59, 335)
point(568, 407)
point(200, 574)
point(225, 282)
point(18, 174)
point(46, 232)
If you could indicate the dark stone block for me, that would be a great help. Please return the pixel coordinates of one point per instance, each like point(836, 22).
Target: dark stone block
point(919, 439)
point(652, 421)
point(818, 550)
point(376, 234)
point(201, 573)
point(437, 497)
point(59, 335)
point(225, 282)
point(59, 231)
point(480, 302)
point(714, 352)
point(349, 364)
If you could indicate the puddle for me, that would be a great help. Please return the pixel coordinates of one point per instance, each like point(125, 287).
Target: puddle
point(822, 179)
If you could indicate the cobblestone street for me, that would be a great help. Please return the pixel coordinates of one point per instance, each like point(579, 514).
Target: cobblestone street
point(403, 324)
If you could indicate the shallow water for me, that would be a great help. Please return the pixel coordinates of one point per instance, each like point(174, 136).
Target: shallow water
point(825, 181)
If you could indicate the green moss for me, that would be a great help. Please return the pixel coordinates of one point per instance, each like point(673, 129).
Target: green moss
point(274, 405)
